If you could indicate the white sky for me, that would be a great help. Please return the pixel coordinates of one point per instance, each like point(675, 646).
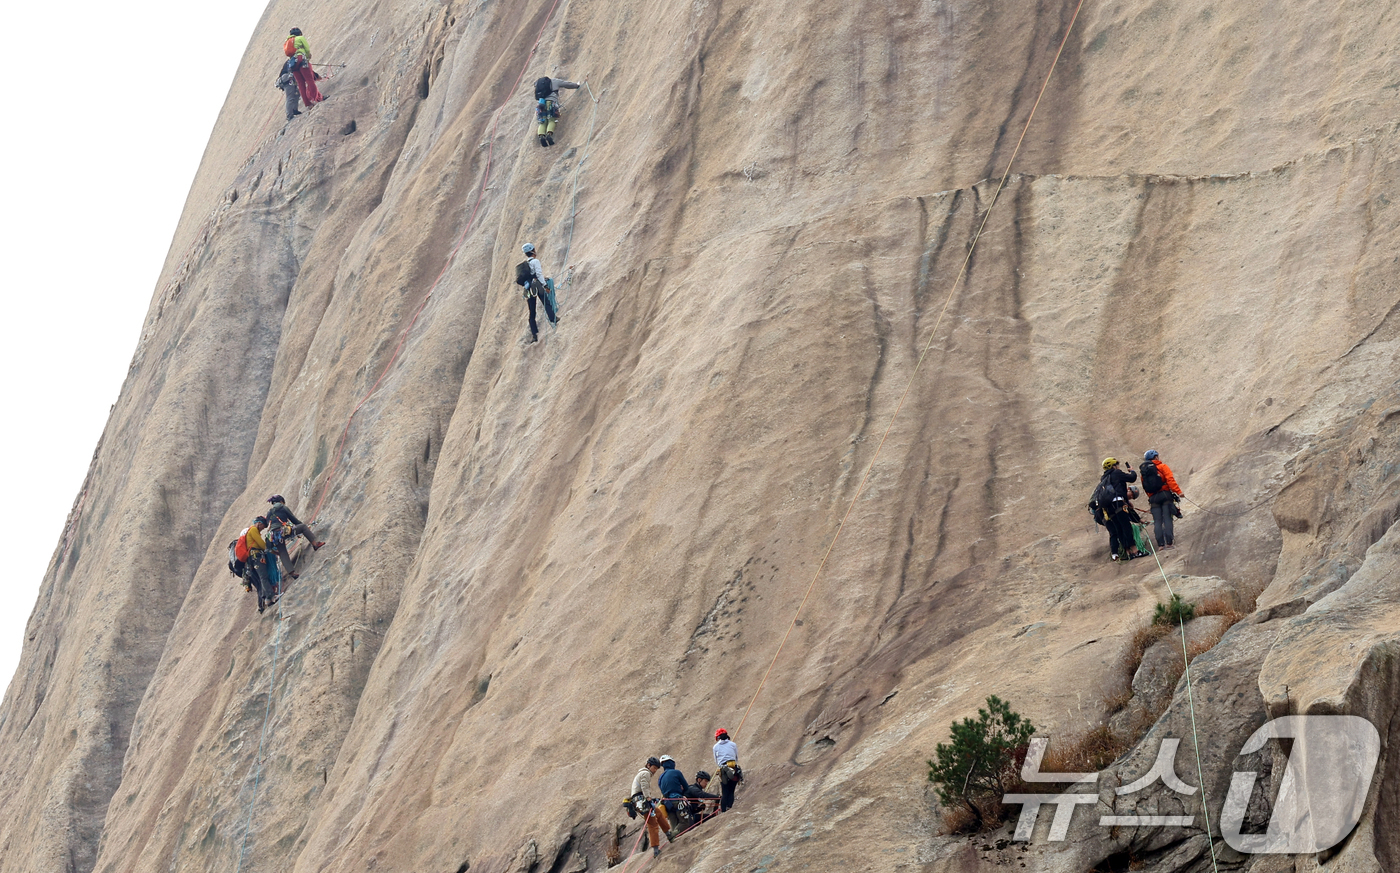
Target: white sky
point(108, 108)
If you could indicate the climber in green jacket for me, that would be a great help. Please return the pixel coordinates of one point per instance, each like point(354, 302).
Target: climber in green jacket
point(305, 76)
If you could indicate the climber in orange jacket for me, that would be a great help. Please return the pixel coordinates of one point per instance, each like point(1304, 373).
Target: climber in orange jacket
point(1162, 494)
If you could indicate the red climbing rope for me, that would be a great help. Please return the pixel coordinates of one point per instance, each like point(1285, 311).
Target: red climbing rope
point(451, 256)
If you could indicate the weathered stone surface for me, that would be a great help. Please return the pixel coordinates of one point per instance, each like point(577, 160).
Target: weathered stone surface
point(548, 562)
point(1162, 663)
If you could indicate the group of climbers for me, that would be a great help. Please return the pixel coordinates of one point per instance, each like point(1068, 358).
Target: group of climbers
point(253, 555)
point(297, 78)
point(1112, 506)
point(681, 805)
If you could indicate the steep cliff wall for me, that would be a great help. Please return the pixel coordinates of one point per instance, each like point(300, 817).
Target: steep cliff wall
point(548, 561)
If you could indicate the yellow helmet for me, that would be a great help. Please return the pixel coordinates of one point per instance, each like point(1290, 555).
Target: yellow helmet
point(1110, 462)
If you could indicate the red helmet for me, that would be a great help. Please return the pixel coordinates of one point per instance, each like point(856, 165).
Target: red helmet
point(721, 733)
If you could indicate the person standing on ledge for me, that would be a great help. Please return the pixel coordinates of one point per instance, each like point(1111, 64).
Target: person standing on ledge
point(730, 773)
point(287, 82)
point(655, 813)
point(1162, 495)
point(305, 76)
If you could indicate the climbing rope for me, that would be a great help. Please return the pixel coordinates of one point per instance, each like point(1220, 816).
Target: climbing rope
point(262, 737)
point(1265, 502)
point(578, 169)
point(1191, 707)
point(962, 272)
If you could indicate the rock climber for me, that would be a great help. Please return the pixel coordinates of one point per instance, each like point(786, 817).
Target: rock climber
point(671, 784)
point(282, 515)
point(654, 812)
point(530, 275)
point(257, 569)
point(547, 107)
point(701, 805)
point(1110, 501)
point(1163, 494)
point(730, 773)
point(305, 76)
point(286, 81)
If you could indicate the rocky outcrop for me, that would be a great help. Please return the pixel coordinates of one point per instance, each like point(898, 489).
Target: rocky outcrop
point(548, 561)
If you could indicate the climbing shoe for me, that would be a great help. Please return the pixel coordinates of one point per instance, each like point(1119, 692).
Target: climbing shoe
point(315, 547)
point(261, 606)
point(543, 142)
point(656, 851)
point(549, 138)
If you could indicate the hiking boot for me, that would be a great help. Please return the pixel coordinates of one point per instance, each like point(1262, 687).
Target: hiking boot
point(261, 606)
point(315, 547)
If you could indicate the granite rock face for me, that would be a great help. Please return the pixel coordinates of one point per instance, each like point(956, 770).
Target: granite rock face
point(549, 561)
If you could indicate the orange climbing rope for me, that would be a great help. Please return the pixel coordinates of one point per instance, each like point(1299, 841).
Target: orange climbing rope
point(962, 271)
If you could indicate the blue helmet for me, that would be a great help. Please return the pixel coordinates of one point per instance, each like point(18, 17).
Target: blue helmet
point(528, 249)
point(1151, 455)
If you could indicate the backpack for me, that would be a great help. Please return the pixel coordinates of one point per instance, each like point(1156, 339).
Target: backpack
point(235, 564)
point(240, 549)
point(544, 86)
point(1103, 496)
point(290, 46)
point(523, 273)
point(1151, 479)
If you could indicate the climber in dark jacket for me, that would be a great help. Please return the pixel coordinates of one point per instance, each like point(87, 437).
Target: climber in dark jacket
point(1116, 519)
point(696, 793)
point(287, 82)
point(671, 785)
point(280, 514)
